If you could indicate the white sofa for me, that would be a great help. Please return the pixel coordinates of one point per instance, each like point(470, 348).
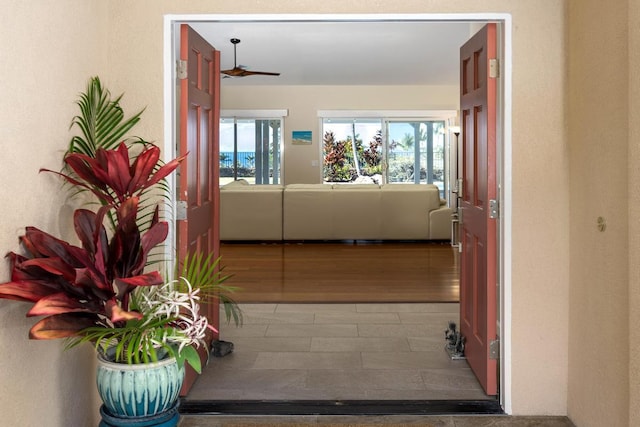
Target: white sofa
point(333, 212)
point(250, 212)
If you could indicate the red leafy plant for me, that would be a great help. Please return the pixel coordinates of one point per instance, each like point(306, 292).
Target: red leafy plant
point(87, 292)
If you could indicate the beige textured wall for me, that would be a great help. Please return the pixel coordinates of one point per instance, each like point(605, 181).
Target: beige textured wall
point(303, 103)
point(540, 210)
point(599, 141)
point(634, 210)
point(540, 156)
point(586, 355)
point(570, 337)
point(49, 50)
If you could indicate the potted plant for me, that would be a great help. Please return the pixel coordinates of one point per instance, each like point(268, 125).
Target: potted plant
point(100, 290)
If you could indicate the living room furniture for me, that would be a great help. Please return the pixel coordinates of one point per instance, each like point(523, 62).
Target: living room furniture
point(250, 212)
point(333, 212)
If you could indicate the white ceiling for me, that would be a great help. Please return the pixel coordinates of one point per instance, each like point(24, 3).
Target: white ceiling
point(341, 53)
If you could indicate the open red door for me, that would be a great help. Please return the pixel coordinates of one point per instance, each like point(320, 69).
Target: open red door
point(478, 280)
point(198, 175)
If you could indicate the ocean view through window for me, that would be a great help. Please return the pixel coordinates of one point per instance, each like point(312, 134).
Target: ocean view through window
point(250, 149)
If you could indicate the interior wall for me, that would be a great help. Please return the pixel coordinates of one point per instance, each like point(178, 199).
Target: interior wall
point(49, 50)
point(602, 369)
point(634, 209)
point(540, 181)
point(599, 120)
point(303, 163)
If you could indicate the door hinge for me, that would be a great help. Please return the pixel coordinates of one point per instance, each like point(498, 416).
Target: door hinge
point(494, 349)
point(494, 209)
point(494, 68)
point(181, 210)
point(181, 69)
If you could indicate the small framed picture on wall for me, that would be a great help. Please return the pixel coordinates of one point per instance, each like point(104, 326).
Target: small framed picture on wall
point(301, 137)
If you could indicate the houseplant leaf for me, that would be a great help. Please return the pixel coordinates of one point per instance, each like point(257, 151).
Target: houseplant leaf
point(61, 326)
point(102, 122)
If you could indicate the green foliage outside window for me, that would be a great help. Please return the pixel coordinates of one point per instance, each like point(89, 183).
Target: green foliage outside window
point(339, 159)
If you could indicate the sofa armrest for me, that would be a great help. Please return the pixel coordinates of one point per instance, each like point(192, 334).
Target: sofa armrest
point(404, 211)
point(440, 223)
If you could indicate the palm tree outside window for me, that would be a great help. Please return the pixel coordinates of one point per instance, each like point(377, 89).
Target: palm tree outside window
point(384, 150)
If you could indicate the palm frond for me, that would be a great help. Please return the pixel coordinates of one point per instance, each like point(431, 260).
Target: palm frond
point(101, 121)
point(206, 273)
point(137, 342)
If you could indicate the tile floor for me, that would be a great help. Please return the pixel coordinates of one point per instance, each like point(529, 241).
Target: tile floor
point(359, 421)
point(344, 351)
point(338, 352)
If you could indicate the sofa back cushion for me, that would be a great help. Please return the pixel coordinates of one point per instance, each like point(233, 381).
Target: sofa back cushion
point(251, 212)
point(235, 184)
point(405, 210)
point(307, 212)
point(428, 193)
point(309, 187)
point(356, 211)
point(353, 187)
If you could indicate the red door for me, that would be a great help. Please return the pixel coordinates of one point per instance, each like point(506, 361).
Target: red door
point(478, 280)
point(198, 175)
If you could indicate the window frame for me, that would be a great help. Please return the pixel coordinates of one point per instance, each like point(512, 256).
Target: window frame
point(449, 117)
point(255, 115)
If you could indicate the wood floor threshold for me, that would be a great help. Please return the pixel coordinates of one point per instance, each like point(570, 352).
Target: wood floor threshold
point(341, 407)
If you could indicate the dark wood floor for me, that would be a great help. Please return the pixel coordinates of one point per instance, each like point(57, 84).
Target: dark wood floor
point(342, 272)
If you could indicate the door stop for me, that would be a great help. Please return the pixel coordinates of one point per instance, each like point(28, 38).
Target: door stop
point(455, 342)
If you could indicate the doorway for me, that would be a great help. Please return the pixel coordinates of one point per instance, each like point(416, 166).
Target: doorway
point(504, 22)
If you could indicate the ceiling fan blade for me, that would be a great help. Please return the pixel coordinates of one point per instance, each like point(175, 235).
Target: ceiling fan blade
point(233, 72)
point(259, 73)
point(239, 70)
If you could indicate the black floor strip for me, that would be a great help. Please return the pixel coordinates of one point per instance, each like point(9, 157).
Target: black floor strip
point(341, 407)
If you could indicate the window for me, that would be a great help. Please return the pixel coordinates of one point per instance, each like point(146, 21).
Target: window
point(344, 137)
point(250, 147)
point(386, 150)
point(416, 152)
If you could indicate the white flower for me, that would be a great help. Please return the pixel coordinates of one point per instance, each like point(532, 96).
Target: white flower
point(167, 302)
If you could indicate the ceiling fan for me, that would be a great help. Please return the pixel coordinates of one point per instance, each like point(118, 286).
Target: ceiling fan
point(240, 70)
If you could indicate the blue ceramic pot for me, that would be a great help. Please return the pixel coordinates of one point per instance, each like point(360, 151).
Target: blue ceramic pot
point(169, 418)
point(140, 390)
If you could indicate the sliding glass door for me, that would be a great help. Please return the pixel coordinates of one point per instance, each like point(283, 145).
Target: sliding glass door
point(415, 152)
point(352, 150)
point(250, 150)
point(384, 150)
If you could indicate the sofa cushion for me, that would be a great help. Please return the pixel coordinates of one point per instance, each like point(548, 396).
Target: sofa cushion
point(356, 210)
point(307, 212)
point(251, 212)
point(405, 211)
point(311, 187)
point(354, 187)
point(429, 192)
point(253, 187)
point(235, 184)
